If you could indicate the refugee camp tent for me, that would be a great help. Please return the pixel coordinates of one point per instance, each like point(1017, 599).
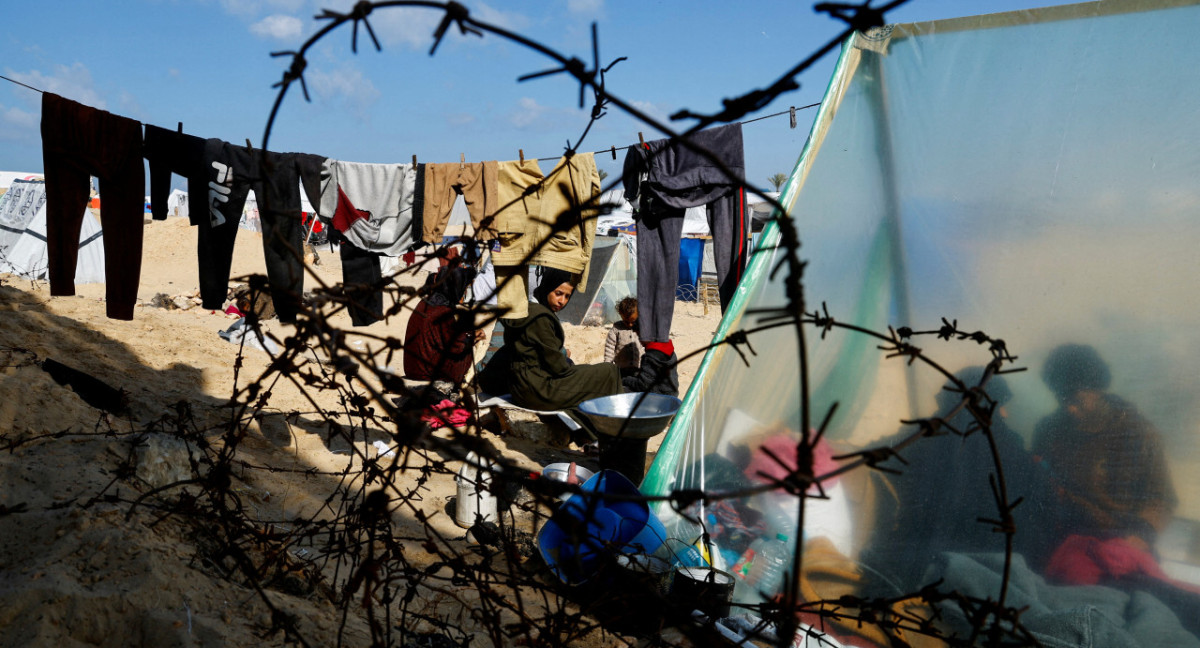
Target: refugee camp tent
point(177, 204)
point(1029, 177)
point(612, 274)
point(18, 205)
point(8, 177)
point(23, 249)
point(618, 215)
point(760, 210)
point(460, 221)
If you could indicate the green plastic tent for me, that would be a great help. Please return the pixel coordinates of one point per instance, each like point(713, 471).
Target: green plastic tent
point(1034, 176)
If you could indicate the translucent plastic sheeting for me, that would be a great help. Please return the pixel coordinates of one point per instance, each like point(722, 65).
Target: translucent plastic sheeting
point(1032, 176)
point(614, 262)
point(619, 282)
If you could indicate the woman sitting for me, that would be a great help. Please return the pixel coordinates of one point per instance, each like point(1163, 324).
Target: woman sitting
point(533, 365)
point(438, 341)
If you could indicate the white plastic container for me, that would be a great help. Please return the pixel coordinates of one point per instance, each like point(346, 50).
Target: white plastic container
point(474, 501)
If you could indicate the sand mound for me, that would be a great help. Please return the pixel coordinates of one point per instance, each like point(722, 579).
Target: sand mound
point(81, 564)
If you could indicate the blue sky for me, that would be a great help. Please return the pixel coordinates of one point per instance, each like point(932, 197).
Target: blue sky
point(207, 64)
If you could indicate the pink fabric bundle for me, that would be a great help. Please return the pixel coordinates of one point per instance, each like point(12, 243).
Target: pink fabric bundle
point(445, 412)
point(765, 468)
point(1084, 560)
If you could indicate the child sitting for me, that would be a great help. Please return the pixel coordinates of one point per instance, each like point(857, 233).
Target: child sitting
point(622, 346)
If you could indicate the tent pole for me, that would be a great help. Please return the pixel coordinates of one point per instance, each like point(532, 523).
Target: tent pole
point(891, 222)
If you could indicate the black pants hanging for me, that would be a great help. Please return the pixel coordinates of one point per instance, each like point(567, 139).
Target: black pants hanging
point(283, 231)
point(361, 275)
point(275, 179)
point(232, 172)
point(665, 177)
point(171, 152)
point(658, 238)
point(78, 142)
point(658, 271)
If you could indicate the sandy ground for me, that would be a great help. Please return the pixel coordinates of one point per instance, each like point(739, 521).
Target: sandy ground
point(79, 565)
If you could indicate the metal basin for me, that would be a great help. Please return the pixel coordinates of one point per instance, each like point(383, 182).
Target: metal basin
point(615, 415)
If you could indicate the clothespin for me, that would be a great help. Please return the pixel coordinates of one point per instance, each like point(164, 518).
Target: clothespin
point(462, 160)
point(641, 139)
point(792, 112)
point(180, 130)
point(614, 152)
point(414, 159)
point(521, 152)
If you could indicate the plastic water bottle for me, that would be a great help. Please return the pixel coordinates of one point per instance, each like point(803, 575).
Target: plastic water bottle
point(771, 560)
point(779, 509)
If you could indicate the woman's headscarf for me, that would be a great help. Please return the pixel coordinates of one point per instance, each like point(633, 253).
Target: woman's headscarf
point(551, 278)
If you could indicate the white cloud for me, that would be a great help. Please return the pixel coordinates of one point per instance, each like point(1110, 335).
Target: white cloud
point(653, 110)
point(128, 104)
point(278, 27)
point(73, 82)
point(411, 27)
point(507, 19)
point(527, 113)
point(17, 124)
point(460, 119)
point(251, 8)
point(345, 87)
point(587, 8)
point(287, 6)
point(240, 7)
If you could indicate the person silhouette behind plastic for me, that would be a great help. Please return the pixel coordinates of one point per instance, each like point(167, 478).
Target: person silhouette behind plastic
point(944, 493)
point(1106, 461)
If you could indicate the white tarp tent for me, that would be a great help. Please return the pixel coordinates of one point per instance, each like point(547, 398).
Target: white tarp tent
point(8, 177)
point(760, 210)
point(23, 249)
point(177, 204)
point(18, 206)
point(695, 219)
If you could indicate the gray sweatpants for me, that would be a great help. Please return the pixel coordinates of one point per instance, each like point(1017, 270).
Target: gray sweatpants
point(658, 239)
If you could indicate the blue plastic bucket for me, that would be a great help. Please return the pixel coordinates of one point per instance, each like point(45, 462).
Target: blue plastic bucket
point(589, 526)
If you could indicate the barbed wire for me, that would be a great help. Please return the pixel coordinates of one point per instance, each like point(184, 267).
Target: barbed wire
point(354, 551)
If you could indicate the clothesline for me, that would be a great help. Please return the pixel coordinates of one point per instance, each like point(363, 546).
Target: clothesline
point(375, 224)
point(791, 111)
point(25, 85)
